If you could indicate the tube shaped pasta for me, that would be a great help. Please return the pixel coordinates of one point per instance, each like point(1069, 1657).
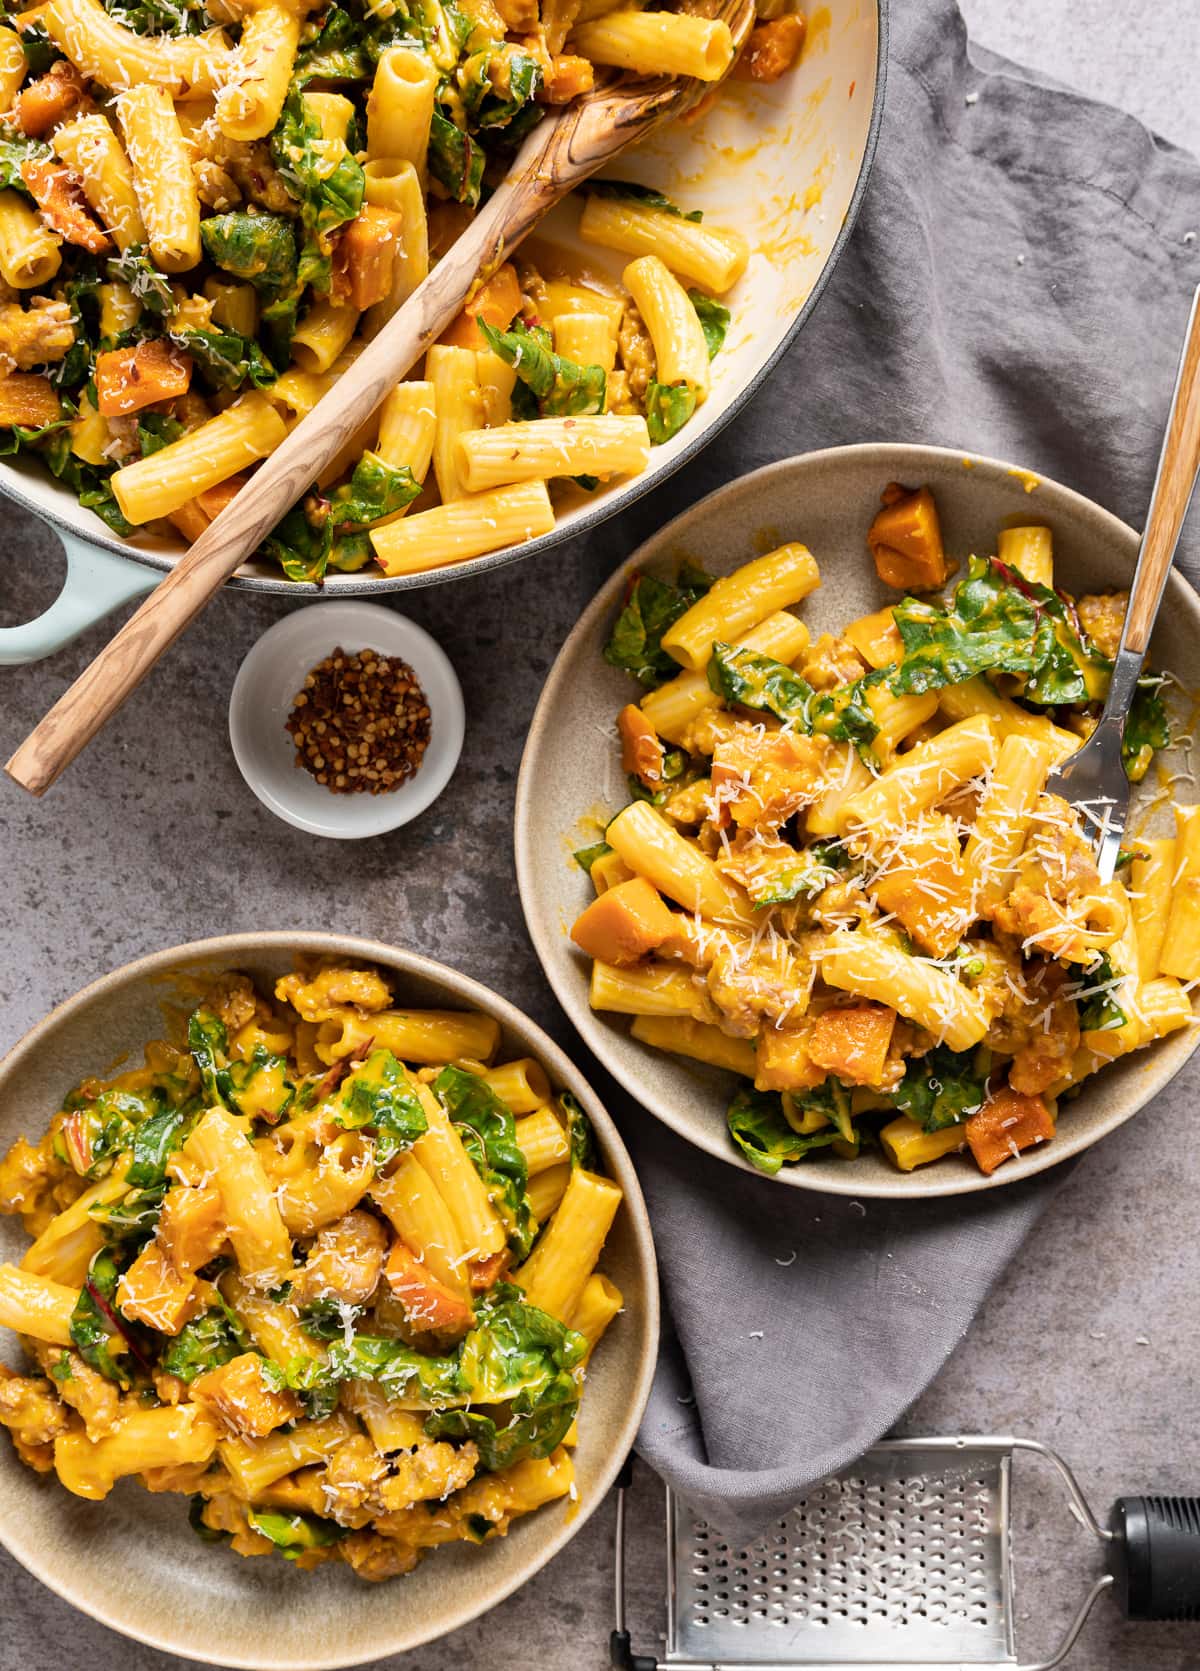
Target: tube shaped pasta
point(896, 717)
point(548, 447)
point(65, 1247)
point(870, 966)
point(391, 1429)
point(173, 1436)
point(13, 67)
point(36, 1305)
point(680, 350)
point(648, 989)
point(845, 777)
point(421, 1217)
point(251, 100)
point(1180, 955)
point(1150, 900)
point(155, 486)
point(235, 306)
point(162, 176)
point(411, 1035)
point(400, 106)
point(1002, 821)
point(521, 1086)
point(652, 847)
point(273, 1327)
point(90, 147)
point(713, 259)
point(28, 249)
point(393, 183)
point(599, 1303)
point(255, 1464)
point(976, 698)
point(407, 425)
point(120, 309)
point(454, 374)
point(322, 335)
point(924, 776)
point(323, 1193)
point(587, 338)
point(469, 527)
point(542, 1140)
point(557, 1270)
point(260, 1240)
point(739, 601)
point(103, 50)
point(297, 391)
point(452, 1171)
point(546, 1190)
point(657, 43)
point(696, 1040)
point(1030, 551)
point(673, 707)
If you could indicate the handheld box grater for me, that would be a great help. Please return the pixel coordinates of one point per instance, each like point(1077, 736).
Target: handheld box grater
point(904, 1560)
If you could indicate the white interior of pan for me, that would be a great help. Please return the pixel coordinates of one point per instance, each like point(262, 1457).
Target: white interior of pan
point(778, 162)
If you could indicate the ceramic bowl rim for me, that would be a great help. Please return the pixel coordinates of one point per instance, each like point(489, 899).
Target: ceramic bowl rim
point(460, 988)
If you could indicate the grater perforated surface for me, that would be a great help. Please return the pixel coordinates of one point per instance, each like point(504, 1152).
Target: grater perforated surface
point(901, 1561)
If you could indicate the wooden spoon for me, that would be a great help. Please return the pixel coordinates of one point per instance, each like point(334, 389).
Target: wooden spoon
point(558, 154)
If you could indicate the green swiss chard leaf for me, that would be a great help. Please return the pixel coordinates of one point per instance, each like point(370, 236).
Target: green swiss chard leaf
point(335, 53)
point(562, 388)
point(95, 1332)
point(714, 320)
point(157, 430)
point(130, 1219)
point(756, 681)
point(254, 246)
point(154, 1142)
point(205, 1343)
point(760, 1130)
point(376, 489)
point(1096, 998)
point(455, 160)
point(152, 288)
point(807, 873)
point(942, 1088)
point(647, 196)
point(300, 545)
point(585, 857)
point(650, 609)
point(379, 1096)
point(1146, 729)
point(295, 1534)
point(579, 1131)
point(497, 83)
point(226, 359)
point(328, 186)
point(668, 408)
point(471, 1103)
point(208, 1043)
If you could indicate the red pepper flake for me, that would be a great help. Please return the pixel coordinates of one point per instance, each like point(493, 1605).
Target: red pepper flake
point(361, 724)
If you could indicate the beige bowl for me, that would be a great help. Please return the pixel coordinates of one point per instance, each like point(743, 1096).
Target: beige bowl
point(571, 769)
point(132, 1561)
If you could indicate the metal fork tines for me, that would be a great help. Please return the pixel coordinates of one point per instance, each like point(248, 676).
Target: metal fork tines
point(1094, 779)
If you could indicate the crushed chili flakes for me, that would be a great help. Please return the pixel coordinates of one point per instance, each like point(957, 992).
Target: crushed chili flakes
point(361, 724)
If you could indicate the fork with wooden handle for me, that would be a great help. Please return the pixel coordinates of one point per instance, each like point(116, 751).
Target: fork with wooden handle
point(559, 154)
point(1094, 780)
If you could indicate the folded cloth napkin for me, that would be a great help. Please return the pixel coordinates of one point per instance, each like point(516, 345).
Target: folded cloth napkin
point(1017, 284)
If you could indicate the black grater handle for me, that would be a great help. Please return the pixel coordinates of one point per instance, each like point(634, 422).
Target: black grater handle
point(1154, 1557)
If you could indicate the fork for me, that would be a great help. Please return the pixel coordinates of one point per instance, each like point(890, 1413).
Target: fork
point(560, 153)
point(1093, 780)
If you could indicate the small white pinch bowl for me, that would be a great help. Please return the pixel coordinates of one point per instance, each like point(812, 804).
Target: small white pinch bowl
point(265, 691)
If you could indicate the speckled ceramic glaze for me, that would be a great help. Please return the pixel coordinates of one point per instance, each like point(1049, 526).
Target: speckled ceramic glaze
point(132, 1561)
point(571, 771)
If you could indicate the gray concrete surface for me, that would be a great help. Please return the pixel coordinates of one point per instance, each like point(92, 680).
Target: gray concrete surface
point(1090, 1339)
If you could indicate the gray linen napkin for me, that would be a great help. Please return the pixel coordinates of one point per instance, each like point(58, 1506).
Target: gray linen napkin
point(1017, 284)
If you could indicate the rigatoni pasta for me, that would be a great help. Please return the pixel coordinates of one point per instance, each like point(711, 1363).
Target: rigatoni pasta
point(321, 1301)
point(844, 874)
point(265, 194)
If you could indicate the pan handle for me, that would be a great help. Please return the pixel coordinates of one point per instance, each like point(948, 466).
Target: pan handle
point(1154, 1557)
point(97, 582)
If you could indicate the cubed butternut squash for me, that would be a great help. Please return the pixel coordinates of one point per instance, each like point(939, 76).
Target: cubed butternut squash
point(1007, 1123)
point(368, 252)
point(852, 1042)
point(497, 301)
point(59, 195)
point(772, 49)
point(641, 748)
point(428, 1305)
point(784, 1061)
point(29, 400)
point(128, 379)
point(152, 1292)
point(922, 884)
point(242, 1402)
point(624, 924)
point(49, 100)
point(906, 540)
point(191, 1226)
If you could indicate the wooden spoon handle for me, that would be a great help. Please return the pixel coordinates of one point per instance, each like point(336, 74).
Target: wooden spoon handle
point(1178, 465)
point(284, 477)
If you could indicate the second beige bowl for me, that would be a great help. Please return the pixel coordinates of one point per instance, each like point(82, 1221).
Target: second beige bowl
point(132, 1561)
